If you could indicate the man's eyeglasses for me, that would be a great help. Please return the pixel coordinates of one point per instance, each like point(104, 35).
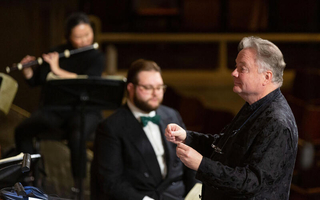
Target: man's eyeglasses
point(150, 88)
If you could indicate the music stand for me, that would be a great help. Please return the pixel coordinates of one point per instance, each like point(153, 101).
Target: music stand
point(93, 93)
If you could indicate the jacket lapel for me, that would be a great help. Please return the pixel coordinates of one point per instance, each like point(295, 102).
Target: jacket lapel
point(168, 147)
point(141, 142)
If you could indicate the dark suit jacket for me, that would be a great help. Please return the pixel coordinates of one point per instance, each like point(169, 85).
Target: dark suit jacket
point(125, 165)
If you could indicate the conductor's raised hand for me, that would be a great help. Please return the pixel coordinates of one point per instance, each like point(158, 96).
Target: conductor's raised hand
point(190, 157)
point(175, 133)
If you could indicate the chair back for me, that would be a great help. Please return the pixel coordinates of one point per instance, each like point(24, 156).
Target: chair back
point(8, 90)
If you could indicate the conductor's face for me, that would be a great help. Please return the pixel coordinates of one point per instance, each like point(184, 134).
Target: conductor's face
point(248, 82)
point(147, 94)
point(81, 36)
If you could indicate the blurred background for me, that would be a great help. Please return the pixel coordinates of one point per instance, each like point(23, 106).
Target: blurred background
point(195, 43)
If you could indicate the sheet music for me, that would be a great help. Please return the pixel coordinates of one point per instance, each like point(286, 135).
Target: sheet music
point(52, 76)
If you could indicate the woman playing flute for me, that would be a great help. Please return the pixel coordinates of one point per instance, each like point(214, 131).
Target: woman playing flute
point(43, 123)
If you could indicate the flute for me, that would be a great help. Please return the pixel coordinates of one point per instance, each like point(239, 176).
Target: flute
point(66, 54)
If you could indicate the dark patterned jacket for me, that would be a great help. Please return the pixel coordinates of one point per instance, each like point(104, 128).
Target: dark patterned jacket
point(253, 157)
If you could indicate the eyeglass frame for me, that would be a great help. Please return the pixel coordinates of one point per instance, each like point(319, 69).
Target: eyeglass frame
point(150, 89)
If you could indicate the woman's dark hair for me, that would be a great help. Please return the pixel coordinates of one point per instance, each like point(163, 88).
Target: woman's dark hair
point(74, 20)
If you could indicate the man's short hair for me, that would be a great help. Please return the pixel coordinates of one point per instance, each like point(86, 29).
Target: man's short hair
point(269, 56)
point(139, 66)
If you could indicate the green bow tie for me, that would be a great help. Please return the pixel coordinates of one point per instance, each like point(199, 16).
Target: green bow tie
point(145, 120)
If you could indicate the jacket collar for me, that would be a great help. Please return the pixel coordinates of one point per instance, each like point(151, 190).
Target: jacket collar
point(141, 142)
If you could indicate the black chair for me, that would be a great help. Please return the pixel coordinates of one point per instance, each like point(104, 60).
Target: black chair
point(14, 169)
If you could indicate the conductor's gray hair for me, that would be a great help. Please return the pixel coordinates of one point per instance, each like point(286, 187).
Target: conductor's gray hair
point(269, 57)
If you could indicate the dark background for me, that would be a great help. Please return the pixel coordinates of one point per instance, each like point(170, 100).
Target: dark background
point(33, 26)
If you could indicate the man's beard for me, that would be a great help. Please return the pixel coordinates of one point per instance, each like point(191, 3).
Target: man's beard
point(143, 105)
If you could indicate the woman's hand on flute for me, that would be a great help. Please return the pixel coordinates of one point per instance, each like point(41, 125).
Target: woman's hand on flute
point(53, 60)
point(28, 71)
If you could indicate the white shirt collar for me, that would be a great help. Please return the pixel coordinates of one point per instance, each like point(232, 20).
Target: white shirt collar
point(137, 112)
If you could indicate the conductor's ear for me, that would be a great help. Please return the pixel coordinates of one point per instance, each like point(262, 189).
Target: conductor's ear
point(268, 77)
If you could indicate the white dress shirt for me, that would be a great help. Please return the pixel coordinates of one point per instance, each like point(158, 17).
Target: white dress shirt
point(154, 135)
